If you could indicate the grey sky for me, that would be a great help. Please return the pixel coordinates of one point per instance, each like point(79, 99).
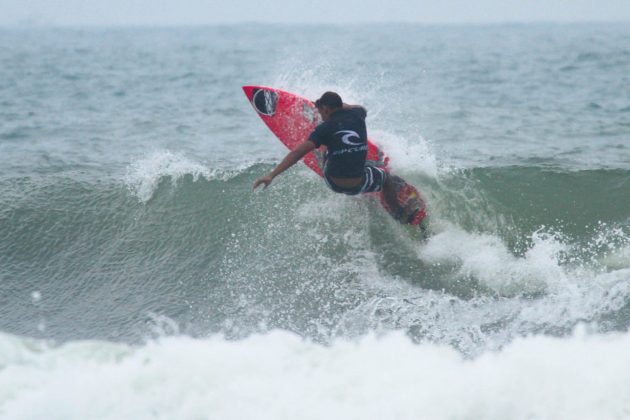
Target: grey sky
point(181, 12)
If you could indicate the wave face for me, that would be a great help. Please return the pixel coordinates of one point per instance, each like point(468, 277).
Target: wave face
point(176, 238)
point(137, 264)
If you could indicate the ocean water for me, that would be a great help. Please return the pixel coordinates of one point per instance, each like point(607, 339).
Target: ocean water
point(140, 277)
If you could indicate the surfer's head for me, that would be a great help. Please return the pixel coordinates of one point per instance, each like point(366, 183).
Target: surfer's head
point(328, 103)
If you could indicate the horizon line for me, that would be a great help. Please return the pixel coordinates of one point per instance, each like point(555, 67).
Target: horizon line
point(52, 25)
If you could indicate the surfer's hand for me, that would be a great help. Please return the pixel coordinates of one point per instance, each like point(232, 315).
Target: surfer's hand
point(264, 180)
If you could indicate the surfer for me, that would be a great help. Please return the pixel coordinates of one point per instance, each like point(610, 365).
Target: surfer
point(344, 135)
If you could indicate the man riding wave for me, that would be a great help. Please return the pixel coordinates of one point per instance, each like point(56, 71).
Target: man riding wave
point(344, 134)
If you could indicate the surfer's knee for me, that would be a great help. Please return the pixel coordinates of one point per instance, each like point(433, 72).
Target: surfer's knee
point(375, 179)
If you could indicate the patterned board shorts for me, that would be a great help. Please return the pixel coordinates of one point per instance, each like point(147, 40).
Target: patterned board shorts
point(373, 179)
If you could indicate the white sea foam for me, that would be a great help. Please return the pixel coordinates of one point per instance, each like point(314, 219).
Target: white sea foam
point(571, 291)
point(565, 293)
point(280, 376)
point(485, 258)
point(618, 258)
point(407, 155)
point(550, 265)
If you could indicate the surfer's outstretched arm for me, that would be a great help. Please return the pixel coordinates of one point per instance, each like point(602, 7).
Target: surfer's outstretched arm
point(289, 160)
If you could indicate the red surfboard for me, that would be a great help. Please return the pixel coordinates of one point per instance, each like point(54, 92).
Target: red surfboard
point(292, 118)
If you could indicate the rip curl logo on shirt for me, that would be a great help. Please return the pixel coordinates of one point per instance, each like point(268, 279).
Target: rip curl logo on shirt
point(265, 101)
point(363, 148)
point(346, 135)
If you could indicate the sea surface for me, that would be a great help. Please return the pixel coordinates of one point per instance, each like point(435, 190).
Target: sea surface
point(141, 278)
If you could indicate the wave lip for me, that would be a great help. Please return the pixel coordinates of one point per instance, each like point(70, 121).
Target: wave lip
point(143, 176)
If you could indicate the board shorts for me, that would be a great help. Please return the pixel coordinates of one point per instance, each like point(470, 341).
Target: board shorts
point(373, 179)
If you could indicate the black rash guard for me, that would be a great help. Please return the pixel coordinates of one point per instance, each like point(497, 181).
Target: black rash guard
point(345, 136)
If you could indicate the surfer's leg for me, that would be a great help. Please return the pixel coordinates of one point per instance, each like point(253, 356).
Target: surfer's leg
point(373, 179)
point(390, 192)
point(378, 180)
point(338, 189)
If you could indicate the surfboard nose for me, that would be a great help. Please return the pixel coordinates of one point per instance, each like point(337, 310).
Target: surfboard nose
point(264, 99)
point(249, 91)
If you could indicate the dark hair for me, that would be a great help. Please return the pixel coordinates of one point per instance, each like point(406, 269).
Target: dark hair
point(329, 99)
